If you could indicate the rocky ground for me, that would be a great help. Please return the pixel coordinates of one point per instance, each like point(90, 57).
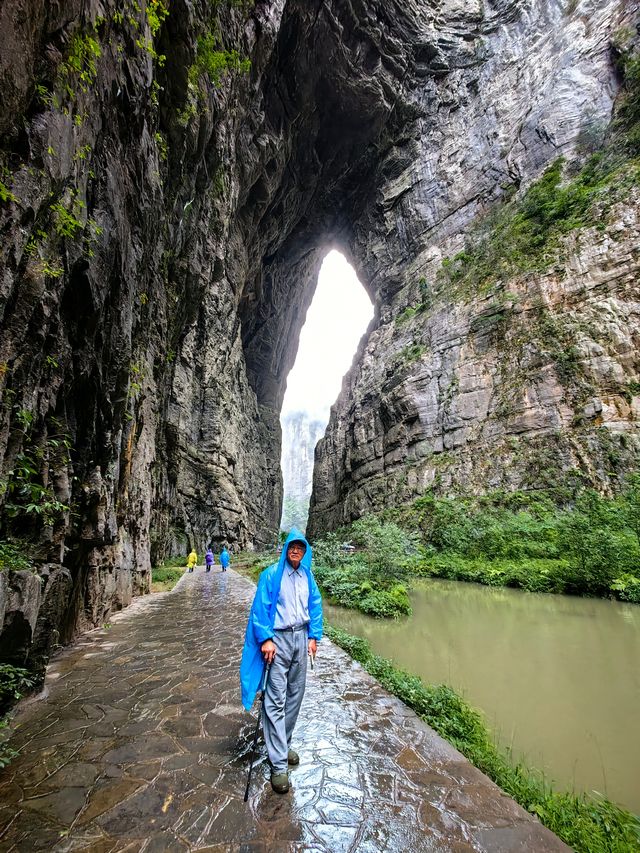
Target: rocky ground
point(139, 743)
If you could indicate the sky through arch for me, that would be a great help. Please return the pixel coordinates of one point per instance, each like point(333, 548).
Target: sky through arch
point(336, 320)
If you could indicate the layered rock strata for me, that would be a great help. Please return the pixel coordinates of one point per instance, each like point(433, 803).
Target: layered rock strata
point(532, 386)
point(532, 383)
point(165, 210)
point(300, 434)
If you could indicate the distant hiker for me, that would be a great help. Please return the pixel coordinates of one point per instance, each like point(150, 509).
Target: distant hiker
point(209, 559)
point(192, 559)
point(224, 559)
point(285, 624)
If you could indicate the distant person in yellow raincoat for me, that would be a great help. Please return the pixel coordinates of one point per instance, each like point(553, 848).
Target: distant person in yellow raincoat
point(192, 560)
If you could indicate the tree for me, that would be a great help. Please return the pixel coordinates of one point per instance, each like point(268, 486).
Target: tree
point(631, 504)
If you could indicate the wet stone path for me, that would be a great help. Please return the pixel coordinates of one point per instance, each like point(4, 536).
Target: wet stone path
point(140, 743)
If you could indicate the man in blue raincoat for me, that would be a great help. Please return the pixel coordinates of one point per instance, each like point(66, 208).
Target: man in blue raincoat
point(285, 625)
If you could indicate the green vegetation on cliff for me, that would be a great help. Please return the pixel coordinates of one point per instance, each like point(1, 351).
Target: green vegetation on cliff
point(214, 61)
point(586, 824)
point(522, 235)
point(15, 557)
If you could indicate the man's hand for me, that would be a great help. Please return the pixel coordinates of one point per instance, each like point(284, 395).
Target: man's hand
point(268, 649)
point(313, 647)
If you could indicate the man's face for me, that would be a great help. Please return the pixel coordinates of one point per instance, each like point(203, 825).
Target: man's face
point(295, 553)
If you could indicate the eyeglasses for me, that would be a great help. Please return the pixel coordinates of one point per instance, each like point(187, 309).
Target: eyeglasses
point(299, 548)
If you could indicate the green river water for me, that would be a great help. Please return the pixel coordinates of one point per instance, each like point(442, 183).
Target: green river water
point(557, 677)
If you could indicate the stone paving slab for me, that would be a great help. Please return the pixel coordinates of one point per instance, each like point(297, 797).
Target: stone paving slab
point(139, 743)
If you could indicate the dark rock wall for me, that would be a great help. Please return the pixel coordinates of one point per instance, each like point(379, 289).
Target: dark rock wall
point(161, 237)
point(162, 233)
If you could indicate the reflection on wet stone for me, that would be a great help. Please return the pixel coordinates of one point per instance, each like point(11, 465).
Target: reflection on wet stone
point(141, 744)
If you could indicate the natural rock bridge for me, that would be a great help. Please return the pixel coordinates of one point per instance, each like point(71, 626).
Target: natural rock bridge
point(139, 743)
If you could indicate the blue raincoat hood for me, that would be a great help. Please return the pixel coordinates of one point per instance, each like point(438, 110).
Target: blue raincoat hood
point(263, 613)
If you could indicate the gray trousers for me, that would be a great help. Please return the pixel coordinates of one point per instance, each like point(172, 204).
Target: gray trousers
point(283, 697)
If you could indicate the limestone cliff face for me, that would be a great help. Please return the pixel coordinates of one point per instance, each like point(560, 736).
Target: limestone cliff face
point(164, 208)
point(300, 434)
point(164, 212)
point(532, 386)
point(535, 383)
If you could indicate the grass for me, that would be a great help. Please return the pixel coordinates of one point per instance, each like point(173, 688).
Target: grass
point(586, 824)
point(166, 576)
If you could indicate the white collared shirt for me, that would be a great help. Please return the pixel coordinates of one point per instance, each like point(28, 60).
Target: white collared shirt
point(292, 608)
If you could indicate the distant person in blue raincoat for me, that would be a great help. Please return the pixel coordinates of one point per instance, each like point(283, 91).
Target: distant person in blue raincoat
point(224, 559)
point(285, 625)
point(209, 559)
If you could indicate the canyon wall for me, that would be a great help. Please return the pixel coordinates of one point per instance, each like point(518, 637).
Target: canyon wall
point(173, 174)
point(516, 380)
point(300, 434)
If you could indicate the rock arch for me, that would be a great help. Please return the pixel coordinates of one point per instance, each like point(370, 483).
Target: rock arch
point(162, 233)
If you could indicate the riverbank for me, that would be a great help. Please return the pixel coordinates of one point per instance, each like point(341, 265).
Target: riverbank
point(343, 579)
point(555, 676)
point(586, 824)
point(575, 543)
point(580, 543)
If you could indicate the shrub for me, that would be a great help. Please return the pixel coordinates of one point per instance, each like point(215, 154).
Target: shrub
point(389, 549)
point(14, 680)
point(592, 554)
point(327, 551)
point(12, 556)
point(627, 587)
point(529, 543)
point(351, 584)
point(630, 504)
